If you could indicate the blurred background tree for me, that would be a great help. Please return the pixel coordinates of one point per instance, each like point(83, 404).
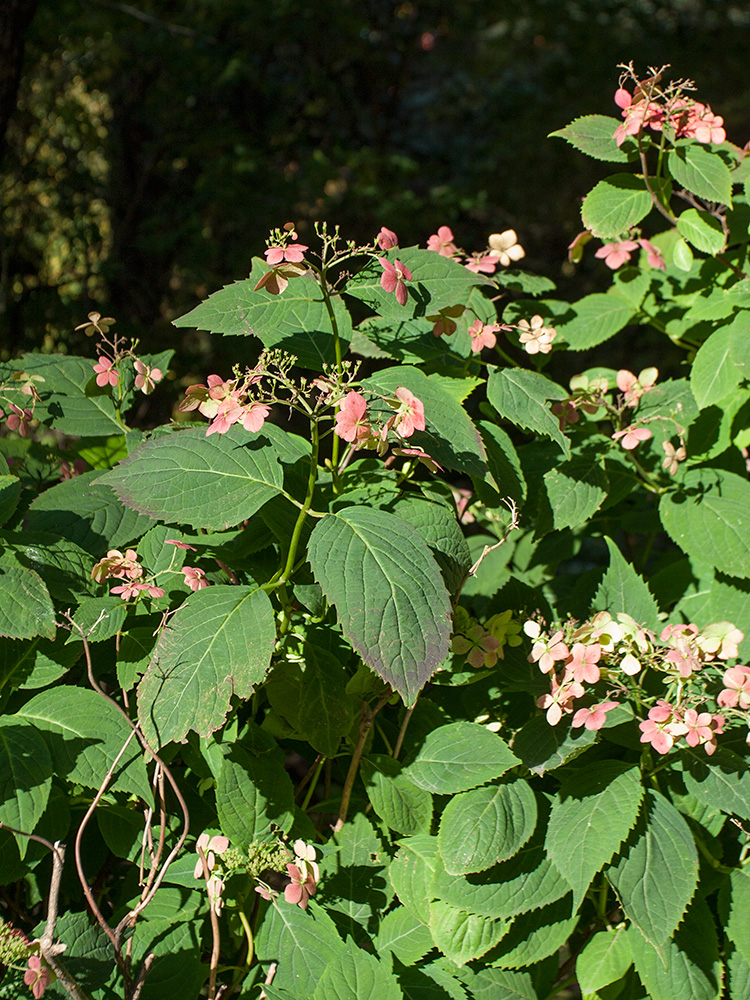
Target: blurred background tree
point(150, 146)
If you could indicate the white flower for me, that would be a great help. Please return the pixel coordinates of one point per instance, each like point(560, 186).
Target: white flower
point(505, 247)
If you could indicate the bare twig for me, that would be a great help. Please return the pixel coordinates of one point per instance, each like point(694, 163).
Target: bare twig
point(140, 15)
point(366, 721)
point(402, 731)
point(215, 932)
point(511, 505)
point(269, 979)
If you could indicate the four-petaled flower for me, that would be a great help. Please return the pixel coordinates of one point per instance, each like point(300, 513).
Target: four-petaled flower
point(673, 457)
point(483, 335)
point(479, 646)
point(386, 239)
point(393, 277)
point(105, 373)
point(582, 663)
point(616, 254)
point(132, 590)
point(535, 337)
point(561, 698)
point(210, 846)
point(294, 253)
point(410, 414)
point(736, 693)
point(505, 247)
point(632, 436)
point(653, 255)
point(37, 976)
point(633, 388)
point(195, 577)
point(661, 728)
point(304, 875)
point(146, 377)
point(442, 242)
point(18, 419)
point(351, 421)
point(593, 718)
point(481, 263)
point(545, 651)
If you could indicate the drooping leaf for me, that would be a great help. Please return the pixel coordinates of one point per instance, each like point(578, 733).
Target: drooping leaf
point(297, 321)
point(458, 757)
point(623, 590)
point(505, 472)
point(218, 644)
point(605, 959)
point(576, 490)
point(596, 318)
point(389, 595)
point(207, 482)
point(411, 873)
point(738, 904)
point(594, 135)
point(85, 734)
point(25, 606)
point(656, 872)
point(482, 827)
point(705, 516)
point(592, 814)
point(615, 204)
point(721, 363)
point(10, 493)
point(254, 795)
point(524, 398)
point(701, 172)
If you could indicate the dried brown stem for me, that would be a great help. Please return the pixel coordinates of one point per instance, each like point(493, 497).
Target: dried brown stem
point(215, 932)
point(366, 721)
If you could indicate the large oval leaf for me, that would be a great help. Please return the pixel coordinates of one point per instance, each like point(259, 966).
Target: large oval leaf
point(388, 591)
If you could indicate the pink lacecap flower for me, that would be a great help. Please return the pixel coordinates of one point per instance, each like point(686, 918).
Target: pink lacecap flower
point(662, 726)
point(653, 255)
point(180, 545)
point(483, 335)
point(545, 652)
point(210, 847)
point(133, 589)
point(615, 254)
point(582, 662)
point(700, 730)
point(19, 420)
point(292, 252)
point(229, 412)
point(481, 264)
point(632, 436)
point(195, 577)
point(442, 242)
point(386, 239)
point(393, 278)
point(351, 420)
point(736, 693)
point(561, 698)
point(106, 375)
point(304, 874)
point(410, 416)
point(633, 387)
point(37, 976)
point(147, 377)
point(118, 566)
point(594, 717)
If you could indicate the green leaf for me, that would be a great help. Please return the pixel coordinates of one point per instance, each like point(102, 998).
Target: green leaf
point(411, 873)
point(523, 397)
point(721, 364)
point(85, 734)
point(134, 655)
point(482, 827)
point(605, 959)
point(706, 518)
point(402, 805)
point(100, 618)
point(218, 643)
point(297, 321)
point(254, 795)
point(682, 255)
point(450, 436)
point(736, 924)
point(594, 135)
point(325, 711)
point(689, 965)
point(615, 204)
point(86, 512)
point(505, 473)
point(34, 663)
point(502, 984)
point(596, 318)
point(723, 785)
point(576, 490)
point(701, 172)
point(463, 936)
point(656, 872)
point(438, 527)
point(302, 944)
point(64, 566)
point(354, 973)
point(623, 590)
point(189, 478)
point(460, 756)
point(389, 595)
point(27, 767)
point(592, 814)
point(25, 605)
point(543, 747)
point(537, 934)
point(437, 282)
point(70, 398)
point(404, 935)
point(702, 230)
point(10, 494)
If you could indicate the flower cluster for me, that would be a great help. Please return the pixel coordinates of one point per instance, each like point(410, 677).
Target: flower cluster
point(353, 422)
point(207, 848)
point(125, 567)
point(614, 653)
point(115, 349)
point(649, 107)
point(616, 254)
point(303, 874)
point(503, 248)
point(285, 258)
point(227, 402)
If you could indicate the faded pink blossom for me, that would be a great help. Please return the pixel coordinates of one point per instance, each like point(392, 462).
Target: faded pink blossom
point(37, 976)
point(277, 279)
point(134, 589)
point(720, 639)
point(442, 242)
point(653, 255)
point(351, 420)
point(419, 453)
point(582, 663)
point(481, 263)
point(479, 646)
point(560, 699)
point(195, 577)
point(294, 253)
point(534, 336)
point(736, 693)
point(386, 239)
point(180, 545)
point(615, 255)
point(118, 566)
point(483, 335)
point(673, 457)
point(632, 387)
point(706, 126)
point(254, 416)
point(304, 875)
point(210, 847)
point(393, 278)
point(19, 420)
point(410, 415)
point(545, 652)
point(106, 374)
point(698, 727)
point(661, 728)
point(632, 436)
point(593, 718)
point(70, 470)
point(147, 377)
point(505, 247)
point(566, 412)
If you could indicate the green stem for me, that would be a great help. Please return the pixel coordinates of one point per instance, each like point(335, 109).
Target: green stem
point(299, 524)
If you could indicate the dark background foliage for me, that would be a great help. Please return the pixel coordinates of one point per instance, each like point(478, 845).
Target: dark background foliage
point(149, 147)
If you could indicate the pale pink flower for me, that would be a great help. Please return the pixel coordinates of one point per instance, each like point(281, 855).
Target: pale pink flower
point(118, 566)
point(481, 263)
point(483, 335)
point(653, 255)
point(736, 693)
point(292, 252)
point(129, 590)
point(673, 457)
point(147, 377)
point(632, 436)
point(698, 727)
point(106, 374)
point(684, 656)
point(393, 278)
point(195, 577)
point(615, 255)
point(661, 728)
point(560, 699)
point(37, 976)
point(505, 247)
point(304, 875)
point(210, 847)
point(545, 651)
point(386, 239)
point(535, 337)
point(593, 718)
point(442, 242)
point(254, 416)
point(632, 387)
point(720, 639)
point(410, 415)
point(277, 279)
point(707, 127)
point(351, 420)
point(582, 664)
